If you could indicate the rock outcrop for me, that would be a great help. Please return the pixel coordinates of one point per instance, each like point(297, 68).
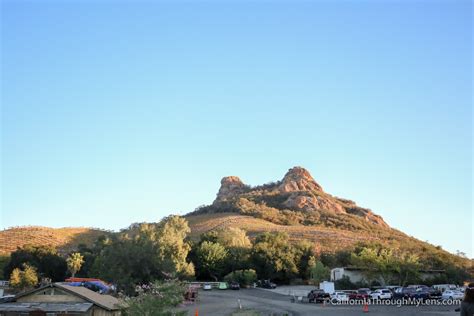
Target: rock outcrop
point(310, 202)
point(298, 179)
point(297, 191)
point(231, 186)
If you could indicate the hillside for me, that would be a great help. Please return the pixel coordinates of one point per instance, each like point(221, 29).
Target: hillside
point(64, 239)
point(298, 205)
point(325, 239)
point(296, 199)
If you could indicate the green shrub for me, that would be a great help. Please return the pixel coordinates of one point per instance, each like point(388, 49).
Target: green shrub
point(244, 277)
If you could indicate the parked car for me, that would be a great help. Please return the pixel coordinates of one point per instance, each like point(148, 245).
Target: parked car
point(207, 287)
point(7, 298)
point(444, 287)
point(452, 295)
point(381, 294)
point(266, 284)
point(350, 292)
point(360, 294)
point(223, 286)
point(423, 289)
point(393, 288)
point(339, 296)
point(422, 293)
point(404, 292)
point(461, 289)
point(235, 286)
point(318, 296)
point(434, 293)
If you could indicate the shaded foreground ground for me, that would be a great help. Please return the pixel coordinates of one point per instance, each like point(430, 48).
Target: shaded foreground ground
point(264, 302)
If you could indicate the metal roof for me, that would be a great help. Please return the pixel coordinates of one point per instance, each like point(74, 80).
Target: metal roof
point(45, 307)
point(107, 302)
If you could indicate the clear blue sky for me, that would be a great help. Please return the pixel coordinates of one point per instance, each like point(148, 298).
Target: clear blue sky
point(116, 112)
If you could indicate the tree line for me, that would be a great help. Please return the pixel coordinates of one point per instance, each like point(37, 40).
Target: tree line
point(149, 252)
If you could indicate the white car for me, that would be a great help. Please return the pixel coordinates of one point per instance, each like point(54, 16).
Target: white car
point(207, 287)
point(339, 296)
point(461, 289)
point(381, 294)
point(452, 295)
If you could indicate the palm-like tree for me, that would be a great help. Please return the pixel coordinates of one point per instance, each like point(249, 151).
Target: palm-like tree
point(74, 262)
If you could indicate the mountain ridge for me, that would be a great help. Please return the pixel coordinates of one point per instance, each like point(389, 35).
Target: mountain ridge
point(296, 204)
point(297, 191)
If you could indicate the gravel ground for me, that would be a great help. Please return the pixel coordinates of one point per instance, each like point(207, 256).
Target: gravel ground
point(227, 302)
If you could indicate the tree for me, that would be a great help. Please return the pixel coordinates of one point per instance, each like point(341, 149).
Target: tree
point(233, 237)
point(74, 263)
point(376, 264)
point(274, 257)
point(406, 267)
point(173, 248)
point(30, 278)
point(341, 258)
point(238, 246)
point(158, 298)
point(145, 253)
point(25, 278)
point(319, 272)
point(15, 278)
point(345, 283)
point(243, 277)
point(127, 262)
point(304, 258)
point(384, 265)
point(46, 260)
point(211, 258)
point(3, 263)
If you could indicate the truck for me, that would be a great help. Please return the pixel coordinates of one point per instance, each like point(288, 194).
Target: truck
point(327, 287)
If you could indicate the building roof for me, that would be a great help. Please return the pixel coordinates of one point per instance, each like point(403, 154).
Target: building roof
point(46, 307)
point(107, 302)
point(354, 268)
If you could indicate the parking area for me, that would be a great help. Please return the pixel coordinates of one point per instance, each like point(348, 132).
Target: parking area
point(270, 302)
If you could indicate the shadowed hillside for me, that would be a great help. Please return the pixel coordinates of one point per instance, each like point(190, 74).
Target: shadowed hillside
point(64, 239)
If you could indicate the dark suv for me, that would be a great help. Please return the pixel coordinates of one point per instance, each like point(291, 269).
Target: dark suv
point(266, 284)
point(317, 296)
point(404, 292)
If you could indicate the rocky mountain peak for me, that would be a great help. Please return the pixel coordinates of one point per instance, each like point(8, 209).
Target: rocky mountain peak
point(299, 179)
point(297, 191)
point(230, 187)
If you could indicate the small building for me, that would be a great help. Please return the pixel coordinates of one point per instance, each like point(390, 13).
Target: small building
point(59, 299)
point(3, 286)
point(356, 275)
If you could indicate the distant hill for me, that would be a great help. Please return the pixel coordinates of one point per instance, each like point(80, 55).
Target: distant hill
point(296, 199)
point(64, 239)
point(298, 205)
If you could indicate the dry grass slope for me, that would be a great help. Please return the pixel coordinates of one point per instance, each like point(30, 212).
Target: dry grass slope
point(328, 239)
point(325, 239)
point(65, 239)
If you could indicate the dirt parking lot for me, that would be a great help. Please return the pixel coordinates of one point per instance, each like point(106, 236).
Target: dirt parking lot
point(264, 302)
